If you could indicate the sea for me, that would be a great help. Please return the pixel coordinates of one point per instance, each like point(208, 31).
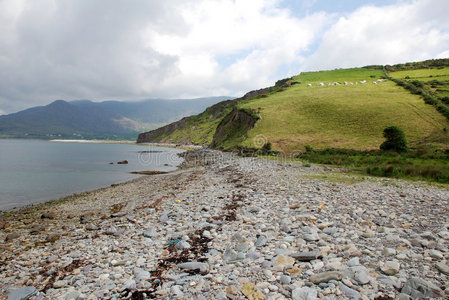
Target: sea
point(35, 171)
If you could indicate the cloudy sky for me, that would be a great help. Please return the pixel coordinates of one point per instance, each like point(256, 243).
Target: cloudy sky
point(140, 49)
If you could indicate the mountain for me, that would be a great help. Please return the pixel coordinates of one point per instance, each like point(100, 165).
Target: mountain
point(343, 108)
point(108, 119)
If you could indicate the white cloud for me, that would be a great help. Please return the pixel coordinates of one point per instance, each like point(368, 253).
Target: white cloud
point(99, 49)
point(385, 35)
point(259, 35)
point(83, 49)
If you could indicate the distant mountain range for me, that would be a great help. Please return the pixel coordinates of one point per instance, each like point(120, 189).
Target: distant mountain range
point(102, 120)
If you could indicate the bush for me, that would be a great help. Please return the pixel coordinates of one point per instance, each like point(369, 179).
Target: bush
point(395, 140)
point(267, 147)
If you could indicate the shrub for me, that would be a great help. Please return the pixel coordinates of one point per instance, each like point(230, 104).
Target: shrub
point(395, 140)
point(266, 147)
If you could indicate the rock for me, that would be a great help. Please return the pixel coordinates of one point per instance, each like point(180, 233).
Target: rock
point(11, 236)
point(182, 245)
point(60, 284)
point(306, 256)
point(91, 227)
point(388, 252)
point(71, 294)
point(355, 261)
point(442, 267)
point(242, 247)
point(122, 162)
point(232, 290)
point(435, 254)
point(350, 293)
point(311, 236)
point(52, 258)
point(150, 233)
point(118, 214)
point(142, 275)
point(362, 277)
point(251, 291)
point(253, 209)
point(390, 267)
point(202, 267)
point(229, 254)
point(111, 230)
point(130, 285)
point(36, 229)
point(418, 288)
point(325, 277)
point(304, 293)
point(48, 215)
point(261, 241)
point(285, 279)
point(282, 262)
point(22, 293)
point(51, 238)
point(176, 290)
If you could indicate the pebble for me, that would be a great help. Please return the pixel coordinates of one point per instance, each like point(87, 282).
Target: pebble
point(22, 293)
point(442, 267)
point(390, 267)
point(304, 293)
point(234, 226)
point(418, 288)
point(325, 277)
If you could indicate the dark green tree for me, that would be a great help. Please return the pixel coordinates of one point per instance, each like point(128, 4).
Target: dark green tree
point(395, 140)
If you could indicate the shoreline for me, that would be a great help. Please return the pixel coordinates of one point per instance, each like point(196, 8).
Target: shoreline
point(226, 226)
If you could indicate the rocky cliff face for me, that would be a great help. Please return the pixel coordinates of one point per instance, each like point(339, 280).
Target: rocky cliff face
point(161, 134)
point(231, 124)
point(188, 125)
point(233, 129)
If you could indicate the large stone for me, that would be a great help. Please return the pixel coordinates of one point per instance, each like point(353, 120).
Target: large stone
point(362, 277)
point(282, 261)
point(435, 254)
point(48, 215)
point(350, 293)
point(251, 291)
point(182, 245)
point(202, 267)
point(11, 236)
point(307, 255)
point(443, 268)
point(22, 293)
point(390, 267)
point(326, 276)
point(418, 288)
point(304, 293)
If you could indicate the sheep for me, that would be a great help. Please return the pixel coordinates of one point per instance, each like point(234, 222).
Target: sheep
point(345, 83)
point(363, 81)
point(321, 84)
point(309, 84)
point(351, 83)
point(374, 82)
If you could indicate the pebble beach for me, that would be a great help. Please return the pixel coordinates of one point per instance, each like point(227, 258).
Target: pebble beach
point(230, 227)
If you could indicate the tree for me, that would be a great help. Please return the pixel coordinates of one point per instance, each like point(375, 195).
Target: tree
point(395, 140)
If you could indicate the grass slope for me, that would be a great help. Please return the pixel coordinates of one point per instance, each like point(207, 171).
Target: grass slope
point(199, 129)
point(351, 116)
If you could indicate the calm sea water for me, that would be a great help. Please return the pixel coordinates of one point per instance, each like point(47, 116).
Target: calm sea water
point(33, 171)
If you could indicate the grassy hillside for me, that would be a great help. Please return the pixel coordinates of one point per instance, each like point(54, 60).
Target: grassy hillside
point(342, 116)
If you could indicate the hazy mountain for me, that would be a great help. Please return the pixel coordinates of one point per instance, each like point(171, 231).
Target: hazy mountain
point(108, 119)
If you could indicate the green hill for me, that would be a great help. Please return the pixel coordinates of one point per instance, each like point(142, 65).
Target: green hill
point(340, 108)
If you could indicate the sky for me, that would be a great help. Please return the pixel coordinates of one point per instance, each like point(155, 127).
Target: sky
point(139, 49)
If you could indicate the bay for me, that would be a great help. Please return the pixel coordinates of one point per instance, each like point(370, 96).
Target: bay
point(35, 171)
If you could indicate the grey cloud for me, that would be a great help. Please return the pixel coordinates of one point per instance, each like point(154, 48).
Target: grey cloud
point(75, 49)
